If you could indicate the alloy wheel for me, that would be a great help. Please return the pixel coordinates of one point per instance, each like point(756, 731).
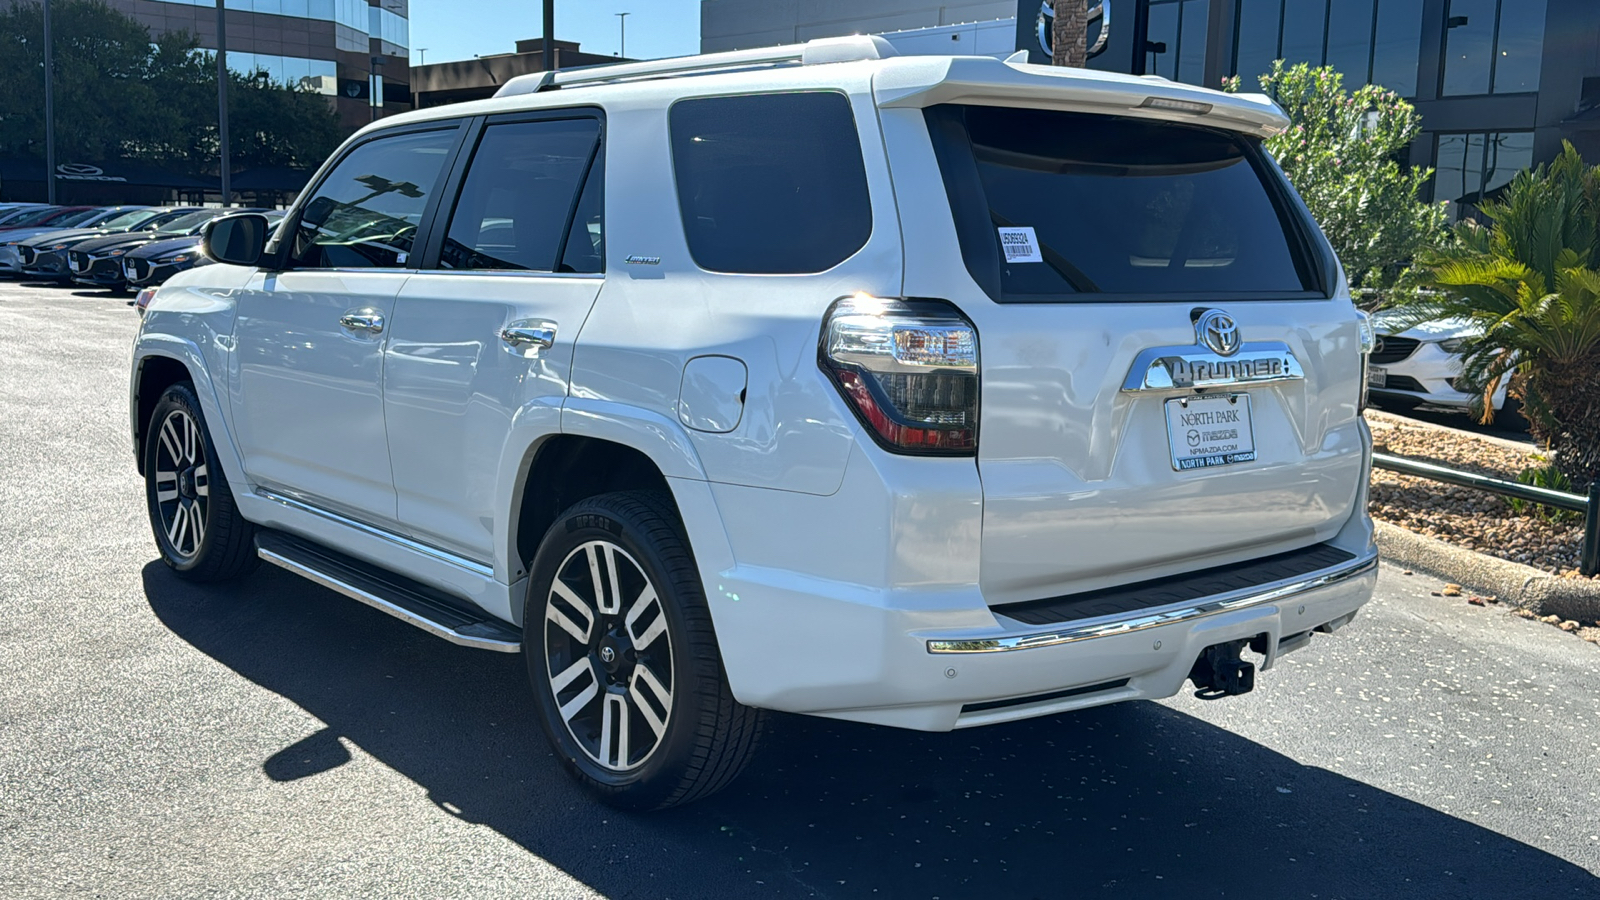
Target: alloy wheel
point(182, 484)
point(608, 655)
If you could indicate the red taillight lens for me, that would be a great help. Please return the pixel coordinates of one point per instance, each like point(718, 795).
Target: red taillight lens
point(908, 369)
point(144, 298)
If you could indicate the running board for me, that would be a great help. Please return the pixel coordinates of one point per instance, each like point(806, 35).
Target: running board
point(409, 601)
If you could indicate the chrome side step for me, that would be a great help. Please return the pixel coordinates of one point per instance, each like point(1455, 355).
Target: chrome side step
point(411, 602)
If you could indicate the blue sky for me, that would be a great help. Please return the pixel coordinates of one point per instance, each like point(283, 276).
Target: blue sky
point(460, 29)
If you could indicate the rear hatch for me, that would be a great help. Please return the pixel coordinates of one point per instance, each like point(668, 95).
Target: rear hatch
point(1169, 379)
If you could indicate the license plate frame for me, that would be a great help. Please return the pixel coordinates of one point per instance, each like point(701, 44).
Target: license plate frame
point(1377, 377)
point(1210, 430)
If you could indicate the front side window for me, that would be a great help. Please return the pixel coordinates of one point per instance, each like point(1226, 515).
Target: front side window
point(365, 213)
point(770, 183)
point(518, 197)
point(1055, 205)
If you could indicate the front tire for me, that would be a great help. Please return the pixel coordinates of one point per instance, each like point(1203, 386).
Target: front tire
point(623, 660)
point(197, 528)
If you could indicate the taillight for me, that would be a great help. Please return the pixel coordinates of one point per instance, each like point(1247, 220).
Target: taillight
point(908, 369)
point(144, 298)
point(1368, 342)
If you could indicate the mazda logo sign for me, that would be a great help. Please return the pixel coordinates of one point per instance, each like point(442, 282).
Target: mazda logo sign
point(79, 169)
point(1217, 331)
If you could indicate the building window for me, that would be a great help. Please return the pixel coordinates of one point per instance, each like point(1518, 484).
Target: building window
point(1367, 41)
point(1178, 29)
point(1470, 167)
point(1492, 46)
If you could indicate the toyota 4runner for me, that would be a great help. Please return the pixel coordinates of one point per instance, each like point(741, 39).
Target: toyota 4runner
point(921, 391)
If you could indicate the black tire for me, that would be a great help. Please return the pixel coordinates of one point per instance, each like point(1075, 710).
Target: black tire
point(1509, 416)
point(708, 736)
point(196, 525)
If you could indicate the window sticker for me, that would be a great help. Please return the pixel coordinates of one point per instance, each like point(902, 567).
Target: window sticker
point(1021, 245)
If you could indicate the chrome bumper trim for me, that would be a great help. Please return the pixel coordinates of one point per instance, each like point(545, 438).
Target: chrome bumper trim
point(1219, 603)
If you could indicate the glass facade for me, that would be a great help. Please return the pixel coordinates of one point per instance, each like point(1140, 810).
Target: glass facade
point(354, 20)
point(1493, 46)
point(1471, 166)
point(1178, 31)
point(1369, 41)
point(319, 75)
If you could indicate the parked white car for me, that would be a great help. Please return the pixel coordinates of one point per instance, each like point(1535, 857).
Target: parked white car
point(1420, 364)
point(930, 392)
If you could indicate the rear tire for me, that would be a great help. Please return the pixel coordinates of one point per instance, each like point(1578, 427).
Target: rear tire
point(197, 528)
point(623, 659)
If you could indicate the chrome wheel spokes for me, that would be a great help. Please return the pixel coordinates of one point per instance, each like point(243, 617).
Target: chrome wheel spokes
point(182, 483)
point(608, 652)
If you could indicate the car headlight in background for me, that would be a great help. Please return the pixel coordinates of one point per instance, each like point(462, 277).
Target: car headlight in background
point(60, 247)
point(172, 260)
point(1452, 345)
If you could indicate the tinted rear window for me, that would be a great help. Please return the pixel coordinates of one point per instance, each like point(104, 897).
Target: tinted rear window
point(1056, 205)
point(770, 183)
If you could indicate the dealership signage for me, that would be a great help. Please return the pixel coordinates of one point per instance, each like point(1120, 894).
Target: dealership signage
point(84, 172)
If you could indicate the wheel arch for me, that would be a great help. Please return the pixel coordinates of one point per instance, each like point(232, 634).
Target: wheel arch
point(159, 363)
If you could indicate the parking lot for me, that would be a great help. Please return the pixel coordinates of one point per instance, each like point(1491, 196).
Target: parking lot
point(271, 739)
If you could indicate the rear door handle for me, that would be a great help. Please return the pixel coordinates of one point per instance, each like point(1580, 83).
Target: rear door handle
point(528, 335)
point(369, 321)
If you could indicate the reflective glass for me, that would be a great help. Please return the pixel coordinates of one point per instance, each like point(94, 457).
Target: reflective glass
point(1257, 40)
point(1449, 167)
point(1191, 50)
point(365, 213)
point(1506, 154)
point(1394, 58)
point(1350, 40)
point(1520, 45)
point(1468, 37)
point(1163, 30)
point(1303, 23)
point(519, 190)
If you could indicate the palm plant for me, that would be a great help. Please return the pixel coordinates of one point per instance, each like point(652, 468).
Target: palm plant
point(1528, 283)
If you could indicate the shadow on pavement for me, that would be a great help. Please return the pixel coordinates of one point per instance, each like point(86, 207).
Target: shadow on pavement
point(1135, 800)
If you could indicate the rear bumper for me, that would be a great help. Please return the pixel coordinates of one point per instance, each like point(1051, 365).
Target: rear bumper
point(885, 666)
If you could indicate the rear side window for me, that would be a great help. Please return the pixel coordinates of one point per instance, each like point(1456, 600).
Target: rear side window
point(770, 183)
point(519, 195)
point(1056, 205)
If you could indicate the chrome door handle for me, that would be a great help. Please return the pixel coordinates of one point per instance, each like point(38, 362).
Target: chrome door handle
point(529, 335)
point(366, 320)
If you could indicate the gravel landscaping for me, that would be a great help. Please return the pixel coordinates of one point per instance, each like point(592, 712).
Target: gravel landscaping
point(1475, 520)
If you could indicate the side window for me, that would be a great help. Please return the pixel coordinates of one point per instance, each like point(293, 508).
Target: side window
point(365, 213)
point(770, 183)
point(519, 195)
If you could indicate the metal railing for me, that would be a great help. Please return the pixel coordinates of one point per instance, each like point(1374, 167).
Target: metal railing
point(1588, 564)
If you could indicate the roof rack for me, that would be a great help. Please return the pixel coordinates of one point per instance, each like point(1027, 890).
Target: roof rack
point(823, 50)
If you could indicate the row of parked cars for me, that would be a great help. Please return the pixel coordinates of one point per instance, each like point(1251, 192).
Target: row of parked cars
point(119, 248)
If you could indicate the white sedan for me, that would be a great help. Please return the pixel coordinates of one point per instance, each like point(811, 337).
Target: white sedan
point(1422, 364)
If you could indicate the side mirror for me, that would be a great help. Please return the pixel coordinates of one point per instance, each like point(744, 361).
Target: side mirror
point(238, 239)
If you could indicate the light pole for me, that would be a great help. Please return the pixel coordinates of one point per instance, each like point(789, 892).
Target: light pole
point(50, 111)
point(549, 35)
point(622, 27)
point(422, 56)
point(226, 166)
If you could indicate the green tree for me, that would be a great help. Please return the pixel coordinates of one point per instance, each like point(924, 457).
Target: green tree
point(1341, 153)
point(121, 95)
point(1529, 284)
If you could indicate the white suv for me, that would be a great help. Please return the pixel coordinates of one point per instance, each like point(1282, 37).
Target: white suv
point(924, 391)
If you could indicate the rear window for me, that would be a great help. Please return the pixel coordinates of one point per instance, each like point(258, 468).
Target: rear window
point(770, 183)
point(1058, 205)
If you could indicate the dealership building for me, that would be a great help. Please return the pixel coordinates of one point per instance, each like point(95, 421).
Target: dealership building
point(1499, 83)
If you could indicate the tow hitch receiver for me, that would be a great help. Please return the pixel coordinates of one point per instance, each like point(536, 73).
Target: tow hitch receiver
point(1219, 672)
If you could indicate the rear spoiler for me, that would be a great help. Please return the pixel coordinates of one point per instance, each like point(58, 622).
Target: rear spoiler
point(919, 81)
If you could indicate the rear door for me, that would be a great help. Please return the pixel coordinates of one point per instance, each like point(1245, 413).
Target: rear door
point(482, 337)
point(1166, 381)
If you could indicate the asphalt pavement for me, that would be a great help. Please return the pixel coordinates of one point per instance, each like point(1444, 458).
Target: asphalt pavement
point(271, 739)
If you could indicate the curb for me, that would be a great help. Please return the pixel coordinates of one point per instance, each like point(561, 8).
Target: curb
point(1513, 583)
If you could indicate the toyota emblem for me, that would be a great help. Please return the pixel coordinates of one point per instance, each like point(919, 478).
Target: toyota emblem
point(1216, 330)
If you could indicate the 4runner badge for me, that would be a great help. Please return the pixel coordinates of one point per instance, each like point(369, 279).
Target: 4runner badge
point(1218, 358)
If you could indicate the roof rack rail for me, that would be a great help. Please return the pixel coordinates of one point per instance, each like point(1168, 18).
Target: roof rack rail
point(822, 50)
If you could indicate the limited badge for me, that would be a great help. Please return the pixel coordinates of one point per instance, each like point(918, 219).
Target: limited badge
point(1021, 245)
